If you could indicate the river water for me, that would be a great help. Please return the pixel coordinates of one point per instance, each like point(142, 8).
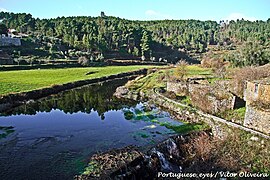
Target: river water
point(52, 138)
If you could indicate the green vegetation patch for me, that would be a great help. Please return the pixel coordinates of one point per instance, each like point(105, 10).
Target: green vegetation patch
point(143, 135)
point(197, 70)
point(236, 115)
point(5, 131)
point(93, 168)
point(185, 128)
point(186, 100)
point(153, 80)
point(145, 115)
point(27, 80)
point(128, 115)
point(245, 150)
point(159, 78)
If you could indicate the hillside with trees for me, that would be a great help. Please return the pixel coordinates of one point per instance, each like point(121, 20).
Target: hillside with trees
point(96, 38)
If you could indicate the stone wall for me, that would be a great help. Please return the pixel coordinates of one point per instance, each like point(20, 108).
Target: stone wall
point(258, 119)
point(210, 99)
point(257, 92)
point(204, 96)
point(8, 41)
point(177, 110)
point(180, 88)
point(257, 96)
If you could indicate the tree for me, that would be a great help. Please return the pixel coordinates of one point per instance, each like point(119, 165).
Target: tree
point(136, 51)
point(18, 60)
point(84, 61)
point(145, 44)
point(100, 57)
point(181, 70)
point(91, 59)
point(3, 29)
point(86, 42)
point(31, 60)
point(115, 34)
point(250, 53)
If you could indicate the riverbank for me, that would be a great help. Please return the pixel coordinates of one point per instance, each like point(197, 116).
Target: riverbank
point(196, 153)
point(232, 147)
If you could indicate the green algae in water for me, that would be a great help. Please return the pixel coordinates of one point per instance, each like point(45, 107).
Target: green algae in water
point(93, 168)
point(128, 115)
point(143, 134)
point(140, 135)
point(79, 164)
point(145, 116)
point(151, 115)
point(6, 131)
point(153, 142)
point(154, 121)
point(184, 128)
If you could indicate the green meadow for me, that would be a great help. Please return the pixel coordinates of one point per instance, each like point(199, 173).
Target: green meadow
point(27, 80)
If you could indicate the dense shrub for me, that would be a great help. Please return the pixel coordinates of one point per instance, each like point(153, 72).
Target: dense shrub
point(181, 70)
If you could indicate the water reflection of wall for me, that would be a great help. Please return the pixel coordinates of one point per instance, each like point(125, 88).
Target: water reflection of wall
point(98, 97)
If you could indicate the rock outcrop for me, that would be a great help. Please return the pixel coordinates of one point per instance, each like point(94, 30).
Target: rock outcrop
point(175, 154)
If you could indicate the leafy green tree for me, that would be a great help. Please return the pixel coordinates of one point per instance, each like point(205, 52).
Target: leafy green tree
point(250, 53)
point(136, 51)
point(85, 41)
point(53, 49)
point(145, 44)
point(3, 29)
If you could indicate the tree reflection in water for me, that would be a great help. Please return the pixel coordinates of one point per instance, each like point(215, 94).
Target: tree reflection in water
point(96, 97)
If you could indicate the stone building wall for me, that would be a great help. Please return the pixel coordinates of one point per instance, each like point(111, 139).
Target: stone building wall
point(258, 119)
point(211, 100)
point(205, 97)
point(257, 96)
point(258, 92)
point(8, 41)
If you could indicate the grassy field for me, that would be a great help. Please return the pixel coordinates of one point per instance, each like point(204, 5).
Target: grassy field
point(159, 78)
point(26, 80)
point(197, 70)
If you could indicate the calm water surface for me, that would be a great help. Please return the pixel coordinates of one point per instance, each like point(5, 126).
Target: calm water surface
point(52, 138)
